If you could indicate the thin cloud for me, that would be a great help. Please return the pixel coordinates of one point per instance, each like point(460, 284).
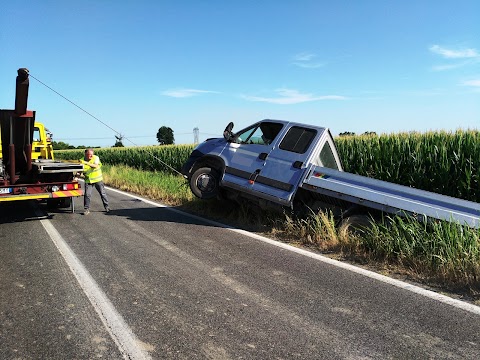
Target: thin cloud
point(454, 54)
point(183, 93)
point(448, 66)
point(304, 56)
point(474, 83)
point(306, 60)
point(309, 65)
point(290, 96)
point(468, 57)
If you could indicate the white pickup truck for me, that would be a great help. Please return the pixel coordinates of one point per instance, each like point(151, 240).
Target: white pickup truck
point(284, 164)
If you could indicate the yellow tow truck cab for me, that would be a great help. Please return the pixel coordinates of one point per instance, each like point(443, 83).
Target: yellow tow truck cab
point(42, 147)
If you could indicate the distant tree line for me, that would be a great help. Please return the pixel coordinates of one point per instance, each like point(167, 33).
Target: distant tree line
point(349, 133)
point(164, 137)
point(60, 145)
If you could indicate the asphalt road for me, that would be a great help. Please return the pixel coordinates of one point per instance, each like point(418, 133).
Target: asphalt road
point(147, 282)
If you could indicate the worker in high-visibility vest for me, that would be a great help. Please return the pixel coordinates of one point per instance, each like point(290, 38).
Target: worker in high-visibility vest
point(92, 171)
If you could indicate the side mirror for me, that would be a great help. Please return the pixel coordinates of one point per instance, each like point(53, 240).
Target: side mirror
point(227, 133)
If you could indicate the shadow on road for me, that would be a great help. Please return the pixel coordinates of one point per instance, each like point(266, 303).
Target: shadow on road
point(172, 214)
point(18, 211)
point(219, 215)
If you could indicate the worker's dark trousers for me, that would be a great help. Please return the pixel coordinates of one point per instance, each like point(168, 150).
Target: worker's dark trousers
point(100, 186)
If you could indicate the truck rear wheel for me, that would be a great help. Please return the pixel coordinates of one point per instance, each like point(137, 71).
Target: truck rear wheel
point(59, 203)
point(204, 183)
point(65, 202)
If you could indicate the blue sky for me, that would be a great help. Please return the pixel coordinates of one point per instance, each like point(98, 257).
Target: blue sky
point(359, 65)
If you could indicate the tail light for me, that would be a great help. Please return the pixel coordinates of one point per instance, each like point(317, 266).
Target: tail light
point(73, 186)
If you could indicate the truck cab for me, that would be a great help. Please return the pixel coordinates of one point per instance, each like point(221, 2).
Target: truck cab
point(265, 161)
point(42, 147)
point(280, 164)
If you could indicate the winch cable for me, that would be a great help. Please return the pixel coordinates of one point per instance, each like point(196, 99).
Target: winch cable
point(108, 126)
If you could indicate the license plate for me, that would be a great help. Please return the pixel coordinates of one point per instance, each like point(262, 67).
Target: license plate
point(5, 190)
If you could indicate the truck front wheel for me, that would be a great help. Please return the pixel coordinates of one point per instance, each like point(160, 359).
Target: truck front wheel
point(204, 183)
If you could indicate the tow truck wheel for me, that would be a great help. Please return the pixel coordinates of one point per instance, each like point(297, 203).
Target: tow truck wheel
point(52, 203)
point(204, 183)
point(66, 202)
point(59, 203)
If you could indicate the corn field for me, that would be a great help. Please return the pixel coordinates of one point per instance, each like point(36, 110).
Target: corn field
point(443, 162)
point(148, 158)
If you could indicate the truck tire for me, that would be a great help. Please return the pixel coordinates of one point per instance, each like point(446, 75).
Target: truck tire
point(52, 203)
point(204, 183)
point(59, 203)
point(65, 202)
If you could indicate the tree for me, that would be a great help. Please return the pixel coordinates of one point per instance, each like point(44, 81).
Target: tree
point(165, 136)
point(60, 145)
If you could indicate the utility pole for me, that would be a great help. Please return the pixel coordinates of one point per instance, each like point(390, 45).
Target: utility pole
point(195, 135)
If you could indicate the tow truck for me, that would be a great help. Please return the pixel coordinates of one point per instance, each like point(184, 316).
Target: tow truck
point(283, 164)
point(27, 177)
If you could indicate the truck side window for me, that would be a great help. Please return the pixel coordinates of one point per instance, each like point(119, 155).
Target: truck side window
point(327, 159)
point(269, 131)
point(298, 139)
point(36, 134)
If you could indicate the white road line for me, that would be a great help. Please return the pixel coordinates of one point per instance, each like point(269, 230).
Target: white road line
point(373, 275)
point(124, 338)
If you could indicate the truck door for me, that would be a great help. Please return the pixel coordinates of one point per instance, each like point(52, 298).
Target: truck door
point(245, 156)
point(285, 164)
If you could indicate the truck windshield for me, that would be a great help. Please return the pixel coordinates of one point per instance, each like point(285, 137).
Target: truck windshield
point(260, 134)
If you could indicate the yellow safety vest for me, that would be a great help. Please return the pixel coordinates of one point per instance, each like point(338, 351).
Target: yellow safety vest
point(92, 175)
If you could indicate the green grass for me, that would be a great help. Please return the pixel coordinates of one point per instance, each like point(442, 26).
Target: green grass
point(443, 251)
point(171, 189)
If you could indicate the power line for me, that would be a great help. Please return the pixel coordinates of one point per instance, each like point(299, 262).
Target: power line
point(100, 121)
point(106, 138)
